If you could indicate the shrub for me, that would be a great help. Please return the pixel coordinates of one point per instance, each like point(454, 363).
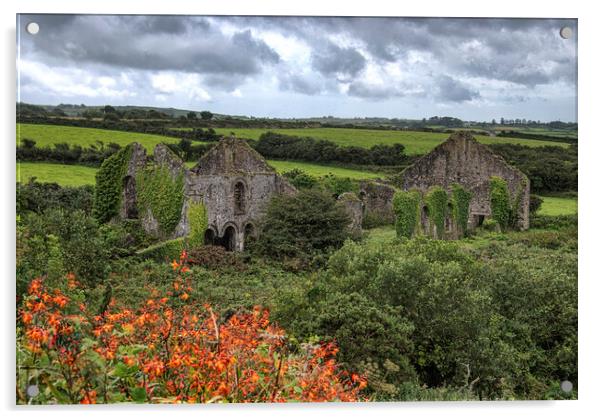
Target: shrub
point(301, 225)
point(300, 180)
point(491, 225)
point(534, 203)
point(164, 251)
point(214, 257)
point(38, 197)
point(120, 356)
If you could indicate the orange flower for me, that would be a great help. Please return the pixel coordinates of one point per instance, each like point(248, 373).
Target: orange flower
point(175, 265)
point(184, 296)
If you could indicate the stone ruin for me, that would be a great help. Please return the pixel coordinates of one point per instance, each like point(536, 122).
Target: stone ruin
point(459, 160)
point(233, 181)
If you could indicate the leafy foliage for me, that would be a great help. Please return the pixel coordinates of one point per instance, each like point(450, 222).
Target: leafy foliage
point(436, 203)
point(162, 194)
point(460, 200)
point(197, 220)
point(298, 226)
point(38, 197)
point(109, 185)
point(300, 179)
point(500, 201)
point(406, 205)
point(166, 351)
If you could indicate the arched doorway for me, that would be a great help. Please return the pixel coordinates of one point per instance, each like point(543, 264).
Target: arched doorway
point(229, 239)
point(209, 237)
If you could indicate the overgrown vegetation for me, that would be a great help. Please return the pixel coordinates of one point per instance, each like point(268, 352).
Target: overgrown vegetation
point(162, 194)
point(500, 202)
point(109, 185)
point(460, 203)
point(406, 205)
point(436, 204)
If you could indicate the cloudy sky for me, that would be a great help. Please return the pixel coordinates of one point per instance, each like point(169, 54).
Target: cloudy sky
point(474, 69)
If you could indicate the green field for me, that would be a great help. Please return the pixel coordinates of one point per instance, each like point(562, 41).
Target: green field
point(416, 142)
point(63, 174)
point(48, 135)
point(73, 175)
point(558, 206)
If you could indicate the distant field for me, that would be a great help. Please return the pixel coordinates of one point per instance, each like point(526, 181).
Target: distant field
point(416, 142)
point(73, 175)
point(558, 206)
point(48, 135)
point(63, 174)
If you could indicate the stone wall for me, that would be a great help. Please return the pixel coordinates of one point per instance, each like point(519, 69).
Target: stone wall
point(377, 199)
point(354, 208)
point(461, 159)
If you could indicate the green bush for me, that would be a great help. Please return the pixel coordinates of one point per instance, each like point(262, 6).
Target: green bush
point(491, 225)
point(406, 205)
point(301, 225)
point(165, 251)
point(300, 179)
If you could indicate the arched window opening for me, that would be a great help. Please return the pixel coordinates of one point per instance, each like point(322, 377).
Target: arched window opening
point(209, 237)
point(239, 198)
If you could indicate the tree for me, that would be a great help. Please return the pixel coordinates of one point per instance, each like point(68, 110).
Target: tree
point(301, 225)
point(206, 115)
point(192, 115)
point(109, 109)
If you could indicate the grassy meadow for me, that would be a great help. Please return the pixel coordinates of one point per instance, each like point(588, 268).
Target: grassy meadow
point(415, 142)
point(48, 135)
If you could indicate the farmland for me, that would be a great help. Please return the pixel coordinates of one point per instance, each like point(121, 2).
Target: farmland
point(415, 142)
point(48, 135)
point(74, 175)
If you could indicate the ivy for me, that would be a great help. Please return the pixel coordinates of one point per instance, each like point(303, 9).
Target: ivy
point(500, 201)
point(516, 203)
point(436, 203)
point(197, 220)
point(163, 195)
point(406, 205)
point(460, 200)
point(109, 185)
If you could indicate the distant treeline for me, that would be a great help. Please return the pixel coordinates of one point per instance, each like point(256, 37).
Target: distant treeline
point(549, 168)
point(534, 136)
point(288, 147)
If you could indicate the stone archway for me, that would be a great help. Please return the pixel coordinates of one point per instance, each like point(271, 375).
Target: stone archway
point(210, 237)
point(229, 239)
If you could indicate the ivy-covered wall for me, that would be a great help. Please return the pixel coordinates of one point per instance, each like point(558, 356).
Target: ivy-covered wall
point(500, 201)
point(109, 185)
point(197, 220)
point(436, 203)
point(406, 205)
point(460, 200)
point(163, 195)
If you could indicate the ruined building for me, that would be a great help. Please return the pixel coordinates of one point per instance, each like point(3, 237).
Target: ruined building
point(232, 181)
point(462, 161)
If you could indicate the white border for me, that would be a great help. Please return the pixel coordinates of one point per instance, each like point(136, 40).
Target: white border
point(589, 197)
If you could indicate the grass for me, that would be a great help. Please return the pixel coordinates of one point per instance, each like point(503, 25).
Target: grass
point(74, 175)
point(416, 142)
point(558, 206)
point(48, 135)
point(63, 174)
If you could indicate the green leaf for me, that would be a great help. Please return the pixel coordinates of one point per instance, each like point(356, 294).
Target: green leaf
point(138, 394)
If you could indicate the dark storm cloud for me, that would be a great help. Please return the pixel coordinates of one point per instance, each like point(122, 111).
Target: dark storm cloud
point(451, 90)
point(300, 84)
point(334, 59)
point(149, 43)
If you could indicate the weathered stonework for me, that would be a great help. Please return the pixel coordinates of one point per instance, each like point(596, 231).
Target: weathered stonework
point(462, 160)
point(232, 180)
point(354, 208)
point(377, 200)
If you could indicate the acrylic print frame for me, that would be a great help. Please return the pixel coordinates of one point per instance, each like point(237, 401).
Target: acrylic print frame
point(219, 209)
